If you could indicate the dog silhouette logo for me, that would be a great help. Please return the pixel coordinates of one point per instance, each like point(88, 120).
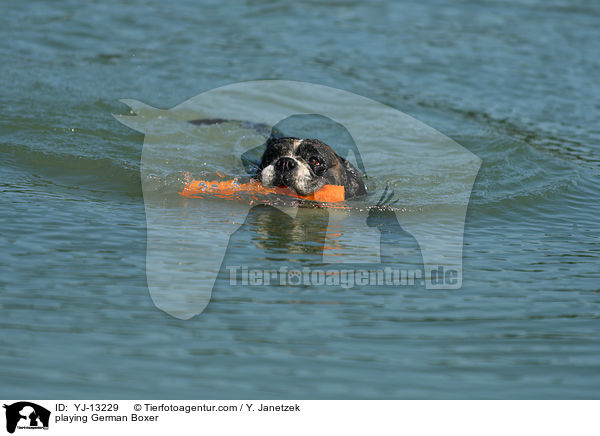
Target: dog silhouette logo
point(26, 415)
point(418, 189)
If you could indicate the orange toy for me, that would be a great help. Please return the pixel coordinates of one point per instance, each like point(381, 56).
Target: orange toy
point(232, 189)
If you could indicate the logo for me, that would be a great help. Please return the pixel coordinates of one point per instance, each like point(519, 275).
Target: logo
point(26, 415)
point(409, 229)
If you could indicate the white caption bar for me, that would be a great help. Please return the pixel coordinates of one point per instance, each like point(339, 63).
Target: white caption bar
point(156, 417)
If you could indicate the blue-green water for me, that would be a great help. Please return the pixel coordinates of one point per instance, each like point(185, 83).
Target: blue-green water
point(516, 83)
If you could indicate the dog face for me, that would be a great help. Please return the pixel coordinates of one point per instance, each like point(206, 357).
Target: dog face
point(306, 165)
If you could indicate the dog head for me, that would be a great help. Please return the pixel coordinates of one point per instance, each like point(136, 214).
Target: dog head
point(306, 165)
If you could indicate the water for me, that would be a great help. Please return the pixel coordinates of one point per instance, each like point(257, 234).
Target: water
point(514, 82)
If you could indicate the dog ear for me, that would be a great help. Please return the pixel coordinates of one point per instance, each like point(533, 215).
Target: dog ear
point(354, 185)
point(253, 159)
point(350, 169)
point(361, 167)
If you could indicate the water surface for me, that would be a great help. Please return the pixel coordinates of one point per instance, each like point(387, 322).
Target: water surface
point(516, 83)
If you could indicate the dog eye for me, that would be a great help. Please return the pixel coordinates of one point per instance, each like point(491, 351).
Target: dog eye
point(314, 161)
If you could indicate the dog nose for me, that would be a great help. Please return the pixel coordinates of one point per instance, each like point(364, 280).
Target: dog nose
point(285, 164)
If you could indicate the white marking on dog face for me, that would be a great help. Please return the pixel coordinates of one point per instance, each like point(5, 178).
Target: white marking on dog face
point(267, 176)
point(296, 143)
point(302, 177)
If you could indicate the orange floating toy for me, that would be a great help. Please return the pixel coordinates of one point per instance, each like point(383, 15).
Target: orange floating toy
point(232, 189)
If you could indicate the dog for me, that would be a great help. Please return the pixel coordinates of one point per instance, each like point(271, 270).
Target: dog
point(306, 165)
